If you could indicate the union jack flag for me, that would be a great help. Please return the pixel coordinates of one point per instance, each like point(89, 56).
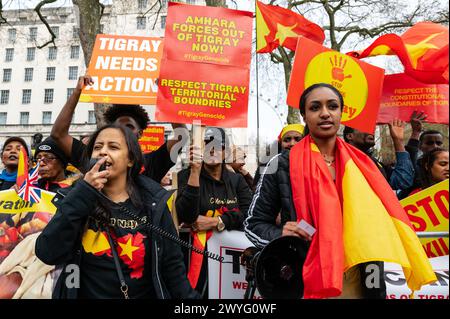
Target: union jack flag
point(29, 192)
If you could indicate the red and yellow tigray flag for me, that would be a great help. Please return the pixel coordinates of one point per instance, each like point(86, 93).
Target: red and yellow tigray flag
point(360, 83)
point(199, 240)
point(422, 49)
point(358, 219)
point(277, 26)
point(22, 169)
point(96, 243)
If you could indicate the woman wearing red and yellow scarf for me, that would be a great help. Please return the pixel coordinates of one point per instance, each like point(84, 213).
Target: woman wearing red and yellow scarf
point(340, 192)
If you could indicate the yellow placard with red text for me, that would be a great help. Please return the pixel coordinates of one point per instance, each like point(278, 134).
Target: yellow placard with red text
point(19, 218)
point(359, 83)
point(152, 138)
point(428, 212)
point(125, 70)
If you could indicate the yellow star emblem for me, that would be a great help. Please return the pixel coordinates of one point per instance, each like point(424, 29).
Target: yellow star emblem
point(128, 249)
point(417, 50)
point(106, 99)
point(284, 32)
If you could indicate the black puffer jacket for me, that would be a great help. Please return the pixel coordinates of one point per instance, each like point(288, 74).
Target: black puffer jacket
point(60, 241)
point(274, 195)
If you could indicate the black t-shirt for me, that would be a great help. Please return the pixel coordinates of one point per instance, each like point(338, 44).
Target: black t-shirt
point(156, 164)
point(4, 185)
point(99, 279)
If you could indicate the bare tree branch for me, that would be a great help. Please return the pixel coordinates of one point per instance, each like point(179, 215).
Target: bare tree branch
point(275, 58)
point(45, 22)
point(2, 19)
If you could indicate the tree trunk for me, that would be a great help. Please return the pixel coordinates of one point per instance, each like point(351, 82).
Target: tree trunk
point(89, 28)
point(89, 25)
point(293, 113)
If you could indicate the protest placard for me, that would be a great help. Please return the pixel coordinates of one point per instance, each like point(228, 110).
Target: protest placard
point(428, 212)
point(124, 69)
point(152, 138)
point(19, 218)
point(402, 95)
point(227, 280)
point(205, 69)
point(359, 83)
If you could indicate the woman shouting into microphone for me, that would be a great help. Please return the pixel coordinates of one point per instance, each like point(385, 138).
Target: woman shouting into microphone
point(100, 227)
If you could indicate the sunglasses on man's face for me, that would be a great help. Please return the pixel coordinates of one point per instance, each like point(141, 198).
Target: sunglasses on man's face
point(45, 159)
point(288, 139)
point(438, 143)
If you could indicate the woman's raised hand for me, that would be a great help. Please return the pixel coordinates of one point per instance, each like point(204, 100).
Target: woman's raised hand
point(96, 178)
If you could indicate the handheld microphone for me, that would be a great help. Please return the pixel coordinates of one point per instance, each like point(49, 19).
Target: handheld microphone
point(93, 161)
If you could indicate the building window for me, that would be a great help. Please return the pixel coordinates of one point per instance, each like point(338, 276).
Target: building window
point(69, 92)
point(3, 116)
point(28, 74)
point(190, 1)
point(48, 96)
point(4, 97)
point(55, 30)
point(7, 75)
point(51, 73)
point(24, 118)
point(75, 32)
point(26, 96)
point(12, 35)
point(141, 23)
point(33, 34)
point(164, 3)
point(52, 53)
point(142, 4)
point(73, 72)
point(9, 54)
point(74, 51)
point(46, 117)
point(163, 22)
point(102, 28)
point(91, 117)
point(31, 54)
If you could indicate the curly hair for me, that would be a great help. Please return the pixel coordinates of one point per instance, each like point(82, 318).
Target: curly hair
point(137, 112)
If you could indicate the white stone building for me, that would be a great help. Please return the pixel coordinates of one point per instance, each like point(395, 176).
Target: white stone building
point(35, 83)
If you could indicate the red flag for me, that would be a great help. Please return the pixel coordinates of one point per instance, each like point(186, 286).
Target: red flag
point(357, 217)
point(422, 49)
point(279, 26)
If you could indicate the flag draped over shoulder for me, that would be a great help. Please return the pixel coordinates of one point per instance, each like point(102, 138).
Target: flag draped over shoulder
point(279, 26)
point(422, 49)
point(357, 217)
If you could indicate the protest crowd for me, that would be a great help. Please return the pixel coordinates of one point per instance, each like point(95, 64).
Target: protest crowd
point(100, 198)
